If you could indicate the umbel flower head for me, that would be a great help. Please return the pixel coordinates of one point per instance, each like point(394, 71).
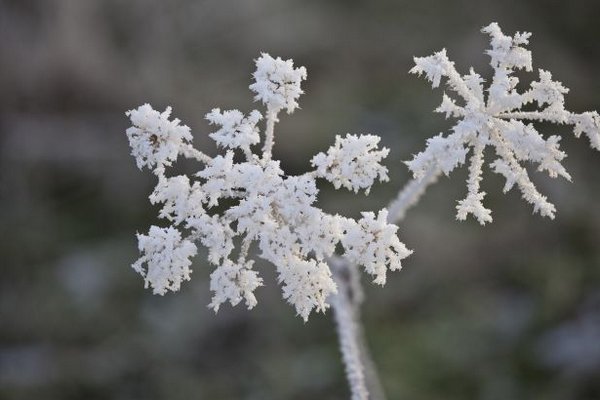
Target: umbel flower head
point(239, 208)
point(495, 117)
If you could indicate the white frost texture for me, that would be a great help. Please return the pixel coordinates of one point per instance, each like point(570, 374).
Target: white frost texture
point(352, 162)
point(155, 141)
point(241, 203)
point(502, 117)
point(277, 83)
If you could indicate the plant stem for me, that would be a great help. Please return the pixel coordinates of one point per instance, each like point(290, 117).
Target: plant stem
point(410, 195)
point(347, 330)
point(269, 134)
point(361, 371)
point(190, 152)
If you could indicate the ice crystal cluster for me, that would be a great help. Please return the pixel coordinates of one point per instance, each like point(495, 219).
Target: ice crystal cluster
point(497, 117)
point(241, 198)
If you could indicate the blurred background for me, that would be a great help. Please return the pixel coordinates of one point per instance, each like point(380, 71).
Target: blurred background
point(507, 311)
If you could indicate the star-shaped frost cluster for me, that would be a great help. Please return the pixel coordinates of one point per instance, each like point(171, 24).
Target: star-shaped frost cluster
point(495, 117)
point(239, 208)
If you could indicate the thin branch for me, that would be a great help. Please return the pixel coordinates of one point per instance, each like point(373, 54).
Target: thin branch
point(529, 115)
point(269, 134)
point(246, 242)
point(348, 333)
point(457, 83)
point(248, 154)
point(361, 371)
point(190, 152)
point(410, 194)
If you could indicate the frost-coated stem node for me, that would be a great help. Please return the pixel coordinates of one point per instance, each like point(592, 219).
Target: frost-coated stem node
point(269, 135)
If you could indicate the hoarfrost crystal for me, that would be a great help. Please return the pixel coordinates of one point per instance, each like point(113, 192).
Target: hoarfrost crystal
point(497, 120)
point(229, 206)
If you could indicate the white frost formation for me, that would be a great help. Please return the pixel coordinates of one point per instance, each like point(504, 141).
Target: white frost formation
point(494, 117)
point(154, 140)
point(167, 258)
point(236, 130)
point(352, 162)
point(277, 83)
point(233, 204)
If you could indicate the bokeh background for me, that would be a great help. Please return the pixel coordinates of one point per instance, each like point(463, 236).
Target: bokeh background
point(507, 311)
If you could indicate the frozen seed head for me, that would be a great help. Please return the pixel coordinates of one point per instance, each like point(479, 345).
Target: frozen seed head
point(242, 206)
point(494, 116)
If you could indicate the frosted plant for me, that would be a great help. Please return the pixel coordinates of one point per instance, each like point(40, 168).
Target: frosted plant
point(230, 205)
point(495, 117)
point(241, 198)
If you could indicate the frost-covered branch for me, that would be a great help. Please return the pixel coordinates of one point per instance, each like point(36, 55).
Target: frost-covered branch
point(410, 195)
point(494, 117)
point(258, 203)
point(361, 371)
point(269, 134)
point(347, 330)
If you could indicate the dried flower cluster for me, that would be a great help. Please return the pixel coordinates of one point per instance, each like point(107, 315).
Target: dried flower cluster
point(229, 206)
point(494, 117)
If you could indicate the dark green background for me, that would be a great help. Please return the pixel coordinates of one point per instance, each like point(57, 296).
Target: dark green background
point(508, 311)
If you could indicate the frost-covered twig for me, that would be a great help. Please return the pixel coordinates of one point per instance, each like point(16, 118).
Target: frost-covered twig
point(277, 85)
point(345, 311)
point(351, 296)
point(269, 134)
point(410, 194)
point(493, 117)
